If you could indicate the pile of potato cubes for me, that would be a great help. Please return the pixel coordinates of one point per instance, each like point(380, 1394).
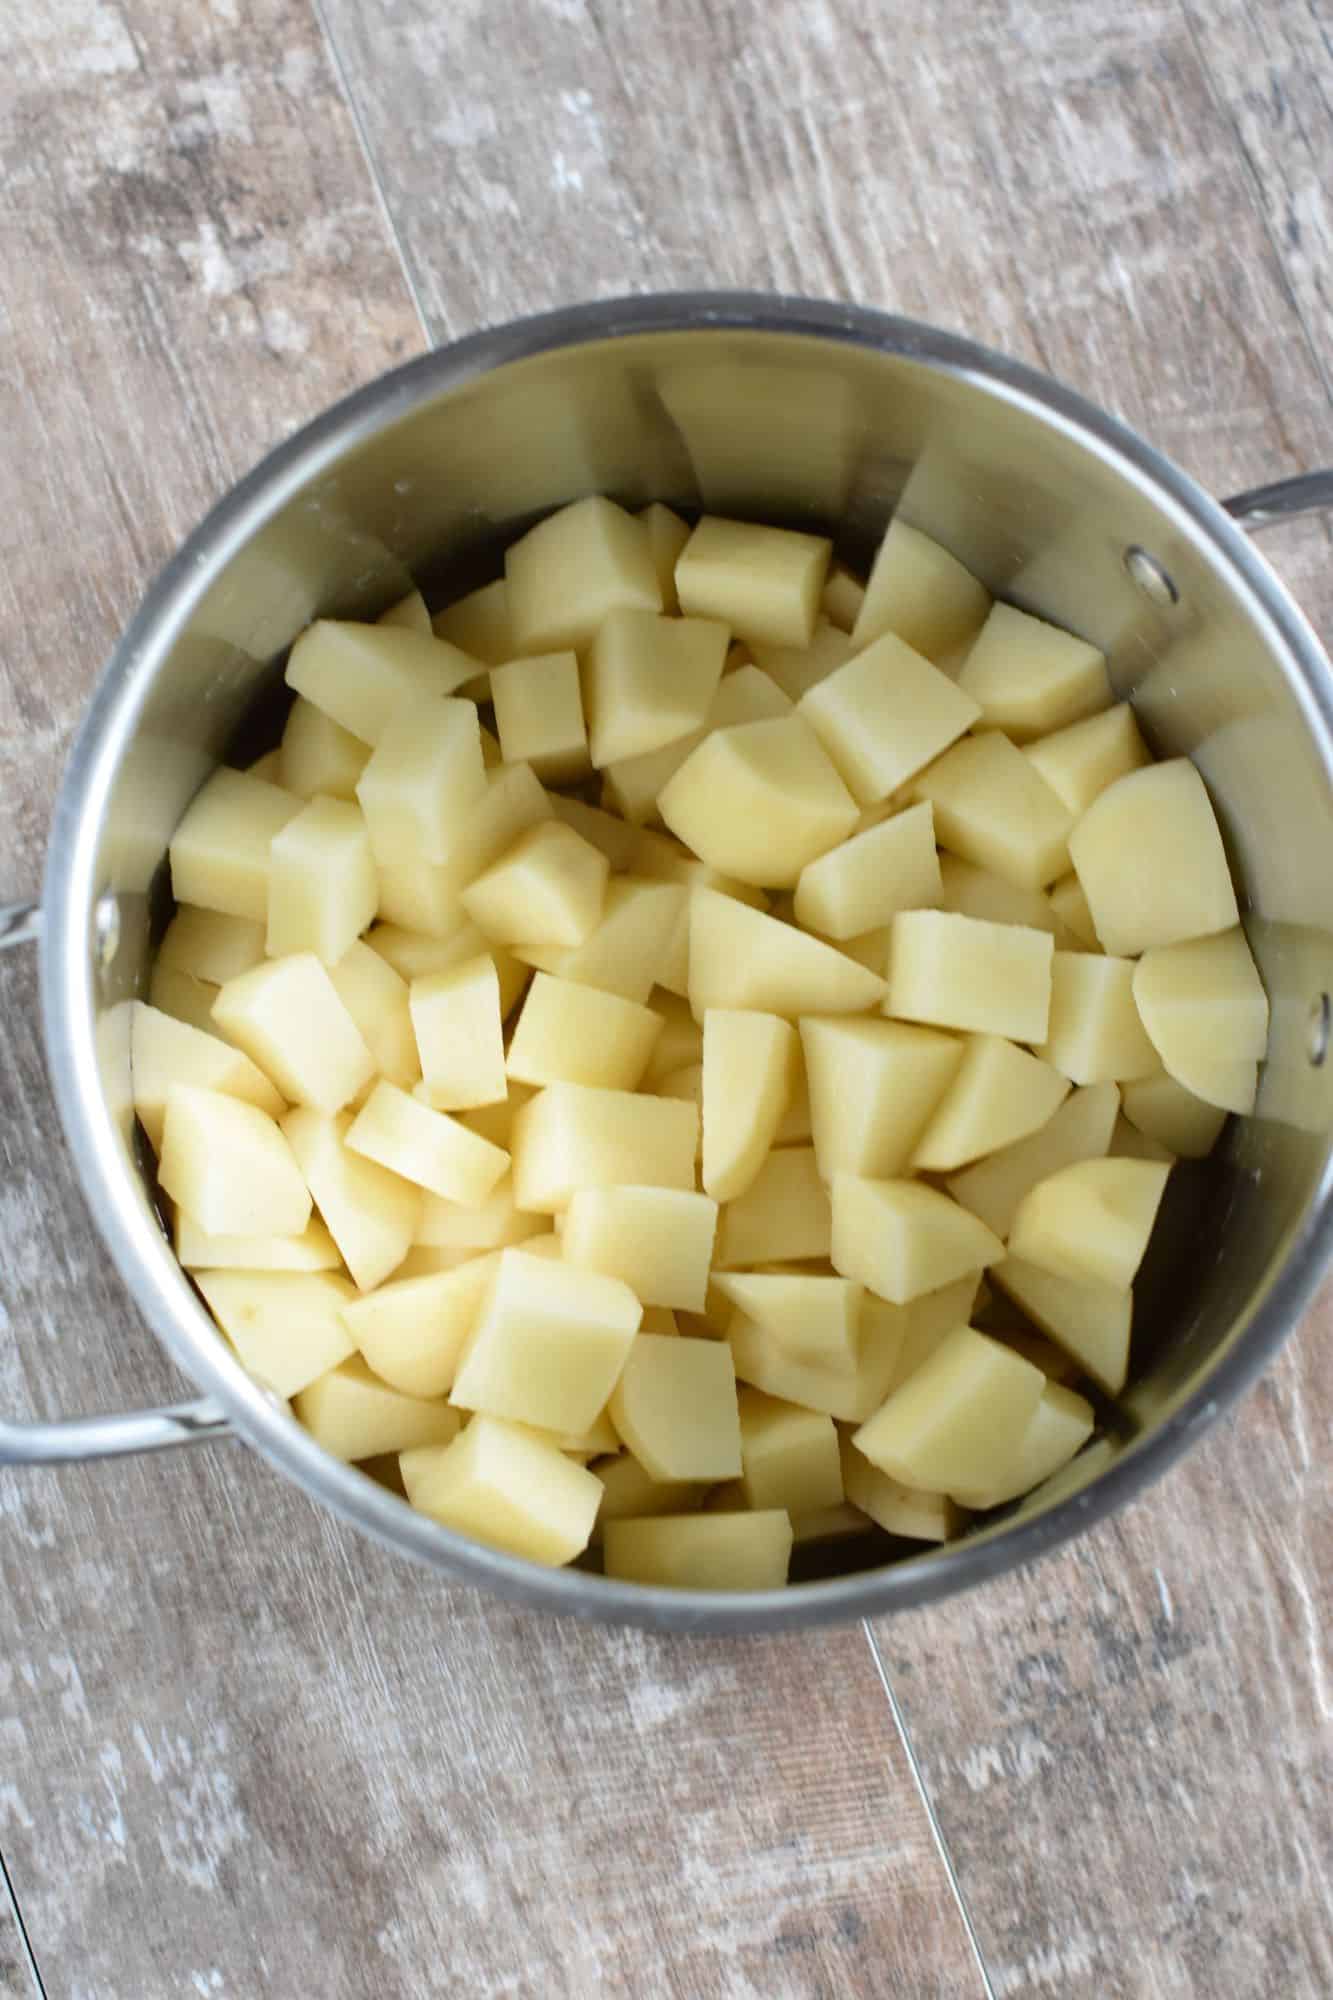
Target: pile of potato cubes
point(764, 1151)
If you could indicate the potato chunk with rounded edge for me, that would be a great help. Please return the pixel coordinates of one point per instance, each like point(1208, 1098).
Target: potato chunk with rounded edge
point(749, 1062)
point(1091, 1322)
point(1058, 1428)
point(921, 591)
point(1080, 1129)
point(460, 1035)
point(565, 575)
point(286, 1326)
point(1030, 677)
point(165, 1051)
point(219, 853)
point(993, 808)
point(548, 1344)
point(1118, 847)
point(1091, 1222)
point(371, 1214)
point(702, 1551)
point(898, 1509)
point(359, 674)
point(427, 1147)
point(648, 681)
point(318, 757)
point(998, 1094)
point(354, 1415)
point(961, 972)
point(784, 1213)
point(744, 958)
point(1206, 1012)
point(658, 1241)
point(503, 1486)
point(1078, 763)
point(567, 1033)
point(322, 887)
point(1095, 1033)
point(874, 1086)
point(229, 1167)
point(573, 1136)
point(411, 1331)
point(901, 1238)
point(951, 1424)
point(857, 886)
point(675, 1407)
point(539, 716)
point(884, 716)
point(759, 801)
point(1164, 1110)
point(547, 889)
point(287, 1016)
point(789, 1456)
point(763, 582)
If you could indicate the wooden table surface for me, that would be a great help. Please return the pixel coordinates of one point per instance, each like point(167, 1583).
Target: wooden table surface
point(245, 1754)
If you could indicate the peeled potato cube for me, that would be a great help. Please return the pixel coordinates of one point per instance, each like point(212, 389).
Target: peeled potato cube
point(898, 1509)
point(196, 1250)
point(667, 536)
point(568, 1033)
point(492, 1224)
point(479, 624)
point(371, 1215)
point(1030, 677)
point(884, 715)
point(572, 1136)
point(360, 674)
point(993, 808)
point(969, 891)
point(323, 890)
point(658, 1241)
point(843, 595)
point(408, 612)
point(568, 573)
point(874, 1086)
point(901, 1238)
point(1206, 1012)
point(319, 758)
point(649, 680)
point(961, 972)
point(784, 1213)
point(1128, 1143)
point(548, 888)
point(164, 1052)
point(1091, 1222)
point(759, 801)
point(763, 582)
point(632, 784)
point(951, 1424)
point(354, 1415)
point(184, 998)
point(1091, 1322)
point(925, 1323)
point(919, 591)
point(675, 1407)
point(814, 1319)
point(628, 1492)
point(424, 777)
point(1164, 1110)
point(748, 1068)
point(219, 852)
point(210, 945)
point(1095, 1033)
point(288, 1017)
point(229, 1167)
point(702, 1551)
point(460, 1035)
point(628, 950)
point(796, 669)
point(998, 1094)
point(1080, 761)
point(1069, 906)
point(503, 1486)
point(376, 998)
point(414, 956)
point(1059, 1427)
point(548, 1344)
point(427, 1147)
point(662, 858)
point(1118, 849)
point(743, 958)
point(286, 1326)
point(789, 1456)
point(858, 886)
point(1080, 1129)
point(539, 716)
point(427, 895)
point(604, 830)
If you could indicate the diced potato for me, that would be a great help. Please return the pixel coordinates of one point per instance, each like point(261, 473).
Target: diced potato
point(410, 612)
point(229, 1167)
point(1091, 1322)
point(628, 950)
point(994, 809)
point(313, 1250)
point(667, 536)
point(1119, 848)
point(702, 1551)
point(742, 958)
point(460, 1035)
point(901, 1238)
point(427, 897)
point(1059, 1427)
point(763, 582)
point(548, 1344)
point(1069, 906)
point(539, 715)
point(1079, 1130)
point(633, 784)
point(503, 1486)
point(658, 1241)
point(568, 1033)
point(927, 1320)
point(1031, 677)
point(220, 850)
point(1128, 1143)
point(1090, 1222)
point(662, 858)
point(680, 1040)
point(414, 954)
point(1095, 1033)
point(795, 1127)
point(899, 1510)
point(814, 1319)
point(423, 781)
point(286, 1326)
point(999, 1094)
point(322, 889)
point(376, 998)
point(969, 891)
point(427, 1147)
point(210, 945)
point(749, 1062)
point(649, 680)
point(354, 1415)
point(630, 1493)
point(675, 1407)
point(884, 715)
point(361, 674)
point(421, 896)
point(960, 972)
point(480, 624)
point(789, 1456)
point(319, 758)
point(828, 1524)
point(874, 1086)
point(372, 1215)
point(797, 669)
point(1165, 1111)
point(949, 1428)
point(844, 594)
point(858, 886)
point(572, 1136)
point(268, 767)
point(784, 1213)
point(1205, 1009)
point(849, 1394)
point(164, 1052)
point(549, 888)
point(492, 1224)
point(288, 1017)
point(605, 830)
point(921, 592)
point(1078, 763)
point(569, 572)
point(184, 998)
point(759, 800)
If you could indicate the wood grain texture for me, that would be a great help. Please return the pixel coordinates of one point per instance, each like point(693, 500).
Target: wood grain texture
point(15, 1978)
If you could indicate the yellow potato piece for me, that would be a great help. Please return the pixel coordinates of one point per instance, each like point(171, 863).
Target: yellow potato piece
point(504, 1486)
point(702, 1551)
point(568, 1033)
point(680, 1041)
point(962, 972)
point(901, 1238)
point(1165, 1111)
point(950, 1426)
point(1058, 1428)
point(1128, 1143)
point(376, 998)
point(1080, 1129)
point(923, 593)
point(480, 624)
point(898, 1509)
point(423, 780)
point(286, 1326)
point(549, 888)
point(628, 951)
point(604, 830)
point(371, 1214)
point(411, 1331)
point(548, 1344)
point(565, 575)
point(630, 1493)
point(360, 674)
point(784, 1213)
point(675, 1407)
point(789, 1456)
point(667, 536)
point(1078, 763)
point(925, 1323)
point(539, 716)
point(649, 680)
point(874, 1086)
point(658, 1241)
point(1091, 1322)
point(1095, 1034)
point(318, 757)
point(884, 715)
point(816, 1320)
point(749, 1062)
point(743, 958)
point(197, 1250)
point(287, 1016)
point(844, 594)
point(323, 890)
point(1205, 1009)
point(354, 1415)
point(994, 809)
point(662, 858)
point(427, 896)
point(759, 801)
point(573, 1136)
point(229, 1167)
point(857, 886)
point(1120, 847)
point(490, 1225)
point(219, 852)
point(164, 1052)
point(1090, 1222)
point(210, 945)
point(998, 1094)
point(1069, 906)
point(976, 892)
point(460, 1035)
point(427, 1147)
point(409, 612)
point(632, 785)
point(184, 998)
point(1030, 677)
point(796, 669)
point(763, 582)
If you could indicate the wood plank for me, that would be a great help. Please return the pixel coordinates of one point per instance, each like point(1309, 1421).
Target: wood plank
point(15, 1978)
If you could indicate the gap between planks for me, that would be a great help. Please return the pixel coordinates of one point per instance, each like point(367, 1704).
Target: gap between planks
point(25, 1942)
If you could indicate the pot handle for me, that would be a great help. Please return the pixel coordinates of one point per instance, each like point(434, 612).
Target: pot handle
point(97, 1437)
point(1285, 500)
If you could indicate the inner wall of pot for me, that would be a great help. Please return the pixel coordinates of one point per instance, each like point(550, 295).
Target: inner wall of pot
point(809, 432)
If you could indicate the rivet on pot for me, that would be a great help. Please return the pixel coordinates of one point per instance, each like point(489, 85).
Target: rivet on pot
point(1151, 578)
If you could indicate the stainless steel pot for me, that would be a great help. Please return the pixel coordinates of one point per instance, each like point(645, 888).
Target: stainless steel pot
point(799, 412)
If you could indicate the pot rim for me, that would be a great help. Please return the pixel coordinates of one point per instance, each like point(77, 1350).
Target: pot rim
point(140, 1251)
